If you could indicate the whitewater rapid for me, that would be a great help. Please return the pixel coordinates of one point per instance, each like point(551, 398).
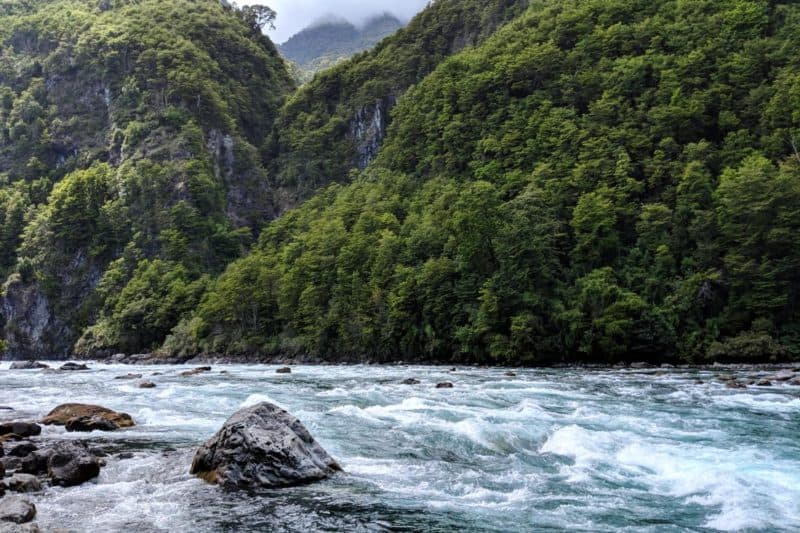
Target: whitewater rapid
point(545, 450)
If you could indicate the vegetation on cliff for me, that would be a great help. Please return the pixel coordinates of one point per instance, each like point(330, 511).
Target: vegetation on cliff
point(129, 150)
point(600, 180)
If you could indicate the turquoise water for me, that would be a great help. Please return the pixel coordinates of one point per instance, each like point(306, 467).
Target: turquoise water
point(546, 450)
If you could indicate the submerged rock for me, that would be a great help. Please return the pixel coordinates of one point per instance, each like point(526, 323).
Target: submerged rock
point(511, 374)
point(78, 415)
point(21, 429)
point(410, 381)
point(147, 385)
point(8, 527)
point(262, 447)
point(764, 383)
point(72, 367)
point(129, 376)
point(444, 385)
point(16, 510)
point(27, 365)
point(284, 370)
point(195, 371)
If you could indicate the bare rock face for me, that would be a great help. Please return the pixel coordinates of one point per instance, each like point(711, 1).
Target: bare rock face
point(84, 417)
point(262, 447)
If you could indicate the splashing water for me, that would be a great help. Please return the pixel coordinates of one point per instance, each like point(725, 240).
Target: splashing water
point(545, 450)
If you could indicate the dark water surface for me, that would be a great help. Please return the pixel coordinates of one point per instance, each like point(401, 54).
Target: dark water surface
point(547, 450)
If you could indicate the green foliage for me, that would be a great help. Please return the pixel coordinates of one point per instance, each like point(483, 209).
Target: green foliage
point(312, 143)
point(599, 180)
point(128, 150)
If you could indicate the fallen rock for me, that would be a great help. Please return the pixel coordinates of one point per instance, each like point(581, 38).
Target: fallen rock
point(27, 365)
point(21, 429)
point(71, 463)
point(129, 376)
point(16, 510)
point(62, 414)
point(444, 385)
point(262, 447)
point(73, 367)
point(410, 381)
point(284, 370)
point(23, 483)
point(147, 385)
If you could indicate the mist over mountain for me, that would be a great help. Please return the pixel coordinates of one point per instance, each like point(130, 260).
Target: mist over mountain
point(332, 39)
point(295, 15)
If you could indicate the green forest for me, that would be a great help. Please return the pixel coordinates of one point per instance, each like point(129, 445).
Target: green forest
point(559, 181)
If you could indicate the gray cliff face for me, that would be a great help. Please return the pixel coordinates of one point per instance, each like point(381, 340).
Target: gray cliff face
point(31, 328)
point(368, 130)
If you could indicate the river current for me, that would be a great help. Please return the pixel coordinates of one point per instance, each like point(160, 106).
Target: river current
point(545, 450)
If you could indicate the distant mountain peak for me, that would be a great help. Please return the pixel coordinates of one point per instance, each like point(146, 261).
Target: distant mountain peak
point(331, 39)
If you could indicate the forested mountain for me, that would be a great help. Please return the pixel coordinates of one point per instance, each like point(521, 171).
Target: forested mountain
point(600, 180)
point(337, 122)
point(329, 42)
point(130, 165)
point(498, 182)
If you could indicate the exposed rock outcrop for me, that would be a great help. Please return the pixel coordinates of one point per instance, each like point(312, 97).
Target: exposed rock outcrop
point(76, 415)
point(262, 447)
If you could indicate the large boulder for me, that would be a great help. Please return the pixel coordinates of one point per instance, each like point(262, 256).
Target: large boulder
point(262, 447)
point(16, 510)
point(83, 417)
point(71, 463)
point(22, 429)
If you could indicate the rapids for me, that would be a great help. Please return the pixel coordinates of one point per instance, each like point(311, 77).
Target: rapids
point(546, 450)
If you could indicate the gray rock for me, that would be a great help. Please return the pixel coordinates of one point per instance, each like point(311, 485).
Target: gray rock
point(27, 365)
point(147, 385)
point(764, 383)
point(23, 483)
point(23, 429)
point(8, 527)
point(410, 381)
point(262, 447)
point(35, 463)
point(129, 376)
point(444, 385)
point(284, 370)
point(22, 449)
point(90, 423)
point(71, 463)
point(17, 510)
point(73, 367)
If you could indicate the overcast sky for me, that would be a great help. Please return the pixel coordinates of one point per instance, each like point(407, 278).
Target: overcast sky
point(294, 15)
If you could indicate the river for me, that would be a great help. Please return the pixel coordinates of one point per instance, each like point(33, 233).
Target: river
point(544, 450)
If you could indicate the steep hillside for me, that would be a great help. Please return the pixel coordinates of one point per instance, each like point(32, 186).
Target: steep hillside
point(601, 180)
point(129, 167)
point(330, 42)
point(337, 121)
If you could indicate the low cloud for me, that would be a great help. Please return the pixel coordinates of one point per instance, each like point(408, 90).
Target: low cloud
point(294, 15)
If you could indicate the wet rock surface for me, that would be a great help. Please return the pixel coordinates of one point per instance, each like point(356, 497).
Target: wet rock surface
point(81, 417)
point(262, 447)
point(16, 510)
